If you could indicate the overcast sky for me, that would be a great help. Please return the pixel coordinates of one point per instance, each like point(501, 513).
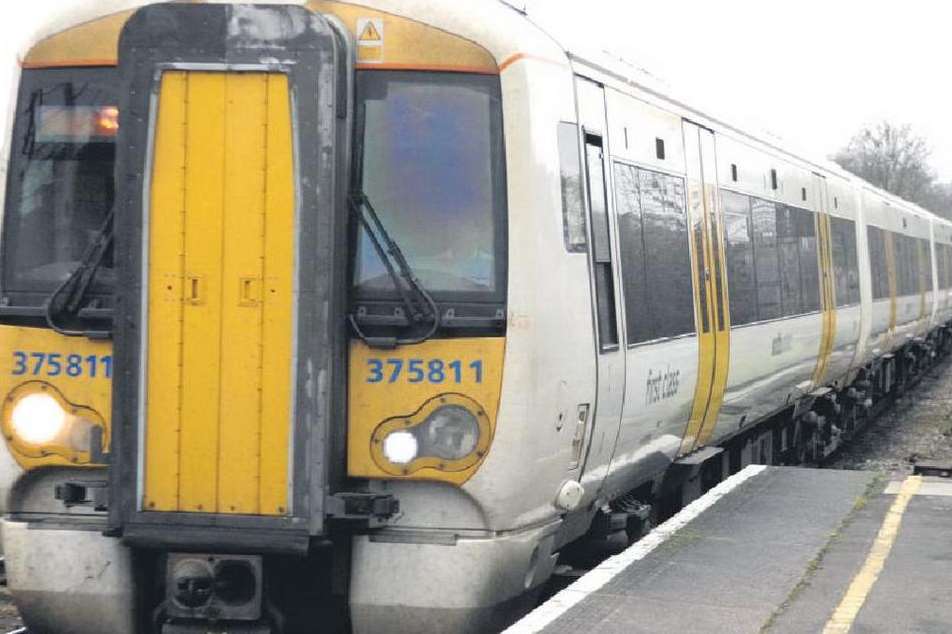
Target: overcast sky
point(812, 71)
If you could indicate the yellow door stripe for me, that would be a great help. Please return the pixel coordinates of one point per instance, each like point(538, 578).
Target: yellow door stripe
point(827, 298)
point(710, 272)
point(221, 256)
point(722, 322)
point(706, 341)
point(845, 613)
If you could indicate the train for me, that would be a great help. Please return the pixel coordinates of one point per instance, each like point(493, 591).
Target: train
point(361, 316)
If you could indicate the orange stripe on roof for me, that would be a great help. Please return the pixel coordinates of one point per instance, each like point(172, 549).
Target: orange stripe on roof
point(515, 57)
point(62, 63)
point(512, 59)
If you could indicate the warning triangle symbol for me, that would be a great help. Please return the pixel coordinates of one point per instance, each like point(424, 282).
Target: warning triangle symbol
point(370, 33)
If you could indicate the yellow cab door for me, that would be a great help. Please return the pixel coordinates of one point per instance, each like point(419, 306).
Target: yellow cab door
point(230, 271)
point(710, 286)
point(221, 258)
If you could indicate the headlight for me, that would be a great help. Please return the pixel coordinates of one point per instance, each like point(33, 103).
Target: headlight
point(38, 418)
point(450, 432)
point(400, 447)
point(38, 422)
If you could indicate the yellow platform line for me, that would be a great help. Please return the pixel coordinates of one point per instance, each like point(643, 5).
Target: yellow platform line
point(865, 579)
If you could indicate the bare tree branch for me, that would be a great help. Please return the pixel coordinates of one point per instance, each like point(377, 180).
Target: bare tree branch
point(896, 159)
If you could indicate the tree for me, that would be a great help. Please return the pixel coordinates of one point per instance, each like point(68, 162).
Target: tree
point(893, 158)
point(939, 200)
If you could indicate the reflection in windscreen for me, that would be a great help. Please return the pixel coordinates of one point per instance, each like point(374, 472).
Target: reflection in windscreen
point(429, 144)
point(61, 184)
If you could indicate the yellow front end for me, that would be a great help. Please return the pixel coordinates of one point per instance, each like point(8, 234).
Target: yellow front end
point(423, 412)
point(57, 397)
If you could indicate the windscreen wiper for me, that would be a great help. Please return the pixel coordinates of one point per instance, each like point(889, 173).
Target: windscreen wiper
point(417, 301)
point(68, 297)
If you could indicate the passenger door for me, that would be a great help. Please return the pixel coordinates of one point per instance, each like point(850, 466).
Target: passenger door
point(827, 290)
point(610, 354)
point(710, 283)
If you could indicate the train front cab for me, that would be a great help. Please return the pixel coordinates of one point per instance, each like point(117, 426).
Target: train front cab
point(127, 517)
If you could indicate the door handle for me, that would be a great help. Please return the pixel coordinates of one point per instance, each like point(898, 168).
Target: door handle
point(249, 291)
point(194, 289)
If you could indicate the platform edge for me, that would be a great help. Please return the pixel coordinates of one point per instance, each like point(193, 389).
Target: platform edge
point(594, 579)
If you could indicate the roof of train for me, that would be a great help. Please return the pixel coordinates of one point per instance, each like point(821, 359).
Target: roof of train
point(585, 52)
point(580, 50)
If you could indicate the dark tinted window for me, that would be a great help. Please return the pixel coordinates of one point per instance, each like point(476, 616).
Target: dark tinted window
point(788, 243)
point(432, 165)
point(845, 267)
point(772, 268)
point(601, 246)
point(573, 211)
point(766, 260)
point(948, 265)
point(925, 265)
point(634, 266)
point(61, 175)
point(655, 257)
point(906, 264)
point(943, 265)
point(942, 274)
point(809, 260)
point(879, 273)
point(740, 258)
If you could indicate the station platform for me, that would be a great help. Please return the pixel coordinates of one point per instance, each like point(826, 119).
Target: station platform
point(777, 549)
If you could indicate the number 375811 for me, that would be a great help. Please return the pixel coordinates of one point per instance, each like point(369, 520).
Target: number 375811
point(423, 371)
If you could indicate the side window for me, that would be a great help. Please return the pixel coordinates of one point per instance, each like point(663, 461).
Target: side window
point(947, 268)
point(911, 270)
point(766, 262)
point(601, 246)
point(788, 245)
point(899, 257)
point(940, 270)
point(633, 261)
point(925, 266)
point(845, 268)
point(809, 260)
point(912, 266)
point(741, 283)
point(852, 261)
point(573, 211)
point(877, 262)
point(669, 271)
point(651, 210)
point(909, 267)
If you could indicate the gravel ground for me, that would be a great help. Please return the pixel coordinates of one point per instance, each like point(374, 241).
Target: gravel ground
point(917, 428)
